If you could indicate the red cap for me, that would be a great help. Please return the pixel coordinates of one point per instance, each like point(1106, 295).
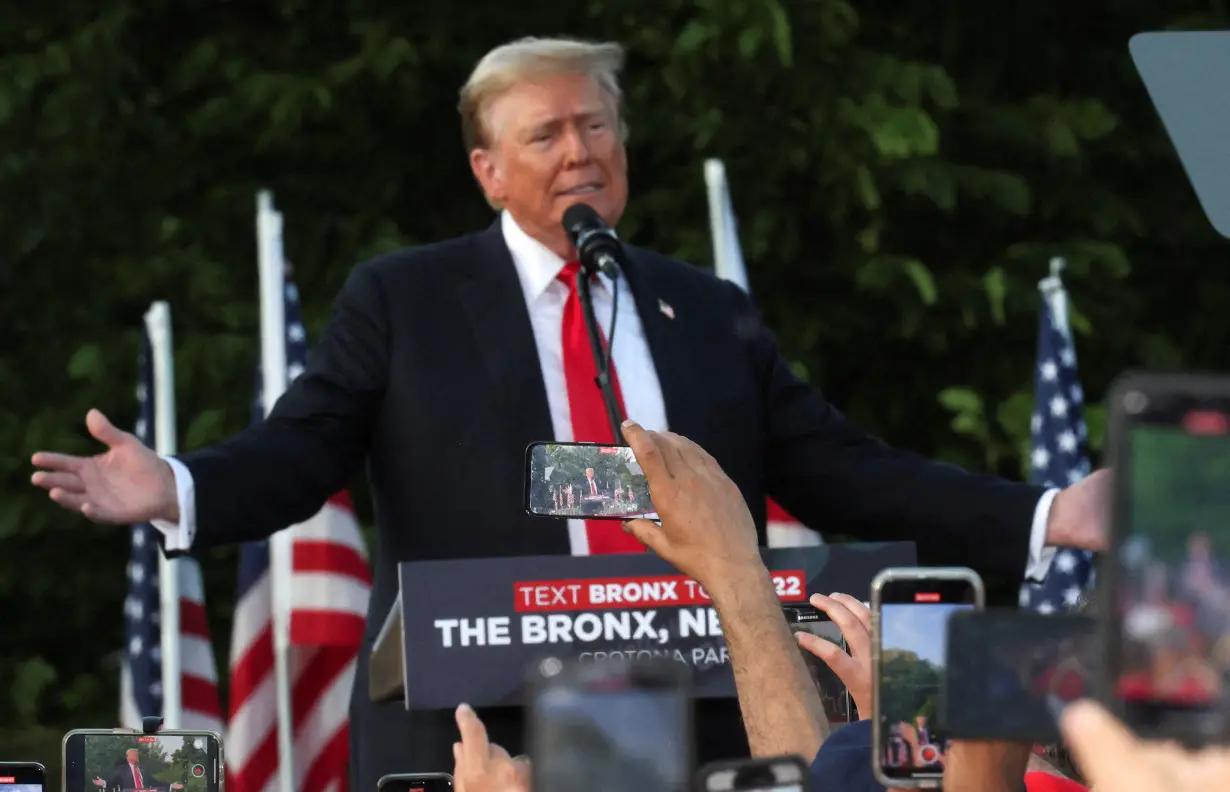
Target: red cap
point(1038, 781)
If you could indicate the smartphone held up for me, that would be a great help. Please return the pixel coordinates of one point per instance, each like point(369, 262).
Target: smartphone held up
point(910, 612)
point(585, 481)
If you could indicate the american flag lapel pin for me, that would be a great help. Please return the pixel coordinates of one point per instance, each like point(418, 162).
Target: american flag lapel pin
point(666, 310)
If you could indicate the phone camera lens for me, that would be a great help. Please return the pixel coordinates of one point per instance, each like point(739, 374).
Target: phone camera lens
point(1135, 402)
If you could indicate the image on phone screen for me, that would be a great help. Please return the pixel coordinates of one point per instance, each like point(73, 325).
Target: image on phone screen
point(914, 616)
point(622, 738)
point(1174, 652)
point(163, 763)
point(587, 481)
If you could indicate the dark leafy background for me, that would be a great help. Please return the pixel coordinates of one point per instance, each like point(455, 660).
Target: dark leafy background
point(902, 172)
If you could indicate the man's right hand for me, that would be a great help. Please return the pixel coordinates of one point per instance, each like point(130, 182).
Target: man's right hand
point(128, 483)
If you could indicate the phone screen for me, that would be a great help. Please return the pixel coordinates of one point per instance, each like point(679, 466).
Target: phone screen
point(424, 782)
point(106, 762)
point(21, 777)
point(614, 730)
point(585, 481)
point(833, 692)
point(913, 627)
point(1009, 673)
point(1174, 564)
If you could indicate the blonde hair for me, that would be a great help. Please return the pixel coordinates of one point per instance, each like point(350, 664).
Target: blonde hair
point(533, 58)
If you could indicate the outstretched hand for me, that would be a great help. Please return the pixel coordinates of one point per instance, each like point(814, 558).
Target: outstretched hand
point(706, 527)
point(127, 483)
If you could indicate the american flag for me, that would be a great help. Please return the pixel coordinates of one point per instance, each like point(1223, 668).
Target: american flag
point(330, 584)
point(782, 529)
point(141, 668)
point(1058, 456)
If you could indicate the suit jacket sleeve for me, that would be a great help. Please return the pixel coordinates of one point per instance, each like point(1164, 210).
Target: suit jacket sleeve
point(280, 472)
point(835, 477)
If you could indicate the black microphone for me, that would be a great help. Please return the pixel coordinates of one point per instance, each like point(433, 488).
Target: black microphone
point(598, 249)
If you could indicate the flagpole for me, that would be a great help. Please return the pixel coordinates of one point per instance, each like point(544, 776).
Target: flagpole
point(274, 375)
point(727, 262)
point(158, 326)
point(1054, 293)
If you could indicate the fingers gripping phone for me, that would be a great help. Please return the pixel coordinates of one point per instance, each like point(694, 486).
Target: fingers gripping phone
point(103, 760)
point(777, 774)
point(910, 609)
point(585, 481)
point(834, 694)
point(616, 725)
point(1165, 586)
point(22, 777)
point(414, 782)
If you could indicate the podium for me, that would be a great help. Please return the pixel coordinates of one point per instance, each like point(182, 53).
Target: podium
point(1186, 74)
point(467, 630)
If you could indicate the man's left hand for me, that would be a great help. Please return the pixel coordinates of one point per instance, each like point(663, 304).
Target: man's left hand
point(1080, 514)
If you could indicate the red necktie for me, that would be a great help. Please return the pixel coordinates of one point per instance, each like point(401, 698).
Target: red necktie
point(589, 419)
point(136, 776)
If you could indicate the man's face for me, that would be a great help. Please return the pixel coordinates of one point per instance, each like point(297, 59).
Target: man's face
point(553, 143)
point(132, 755)
point(589, 472)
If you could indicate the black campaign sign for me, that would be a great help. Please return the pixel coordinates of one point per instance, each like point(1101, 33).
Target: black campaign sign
point(473, 627)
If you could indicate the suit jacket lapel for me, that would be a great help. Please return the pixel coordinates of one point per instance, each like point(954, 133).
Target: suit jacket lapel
point(667, 335)
point(500, 320)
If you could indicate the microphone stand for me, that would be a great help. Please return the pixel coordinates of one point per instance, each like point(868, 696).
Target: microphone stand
point(603, 380)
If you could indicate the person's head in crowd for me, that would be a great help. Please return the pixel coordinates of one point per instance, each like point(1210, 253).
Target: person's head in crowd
point(541, 122)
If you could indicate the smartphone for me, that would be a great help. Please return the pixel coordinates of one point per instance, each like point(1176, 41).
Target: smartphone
point(1010, 673)
point(1166, 582)
point(585, 481)
point(910, 609)
point(414, 782)
point(22, 777)
point(776, 774)
point(833, 692)
point(104, 760)
point(613, 725)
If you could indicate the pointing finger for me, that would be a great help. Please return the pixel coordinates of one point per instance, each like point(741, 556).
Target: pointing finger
point(475, 748)
point(860, 611)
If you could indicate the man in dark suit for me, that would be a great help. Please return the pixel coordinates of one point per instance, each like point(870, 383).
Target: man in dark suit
point(542, 123)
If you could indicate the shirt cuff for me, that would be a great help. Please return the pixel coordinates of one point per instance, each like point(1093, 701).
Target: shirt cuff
point(1040, 556)
point(179, 535)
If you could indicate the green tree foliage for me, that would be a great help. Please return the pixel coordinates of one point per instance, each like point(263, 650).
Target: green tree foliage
point(902, 173)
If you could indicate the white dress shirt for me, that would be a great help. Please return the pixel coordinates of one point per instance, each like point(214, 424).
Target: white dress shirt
point(545, 296)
